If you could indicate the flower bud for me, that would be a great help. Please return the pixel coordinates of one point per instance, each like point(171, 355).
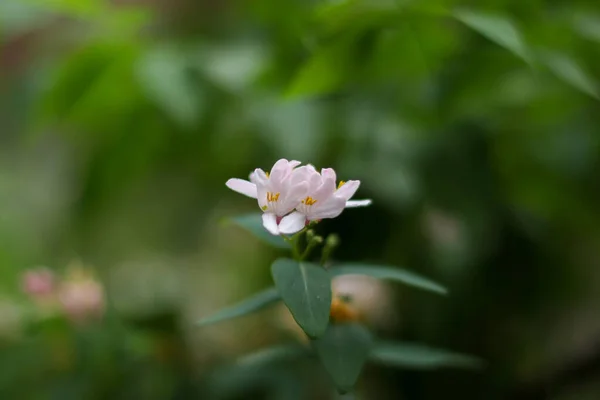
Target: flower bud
point(332, 241)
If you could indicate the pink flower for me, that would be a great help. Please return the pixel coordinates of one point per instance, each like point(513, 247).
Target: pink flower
point(323, 200)
point(82, 297)
point(38, 283)
point(277, 192)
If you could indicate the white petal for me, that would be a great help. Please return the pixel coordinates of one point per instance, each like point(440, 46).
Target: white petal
point(326, 190)
point(270, 223)
point(242, 186)
point(330, 208)
point(301, 174)
point(358, 203)
point(261, 191)
point(294, 195)
point(348, 189)
point(328, 173)
point(292, 223)
point(259, 177)
point(280, 170)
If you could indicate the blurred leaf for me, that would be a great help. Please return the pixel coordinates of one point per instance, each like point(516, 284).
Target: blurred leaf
point(570, 72)
point(415, 356)
point(388, 273)
point(343, 350)
point(252, 304)
point(164, 74)
point(324, 72)
point(306, 290)
point(78, 8)
point(498, 29)
point(82, 93)
point(266, 369)
point(294, 128)
point(253, 224)
point(17, 17)
point(272, 355)
point(124, 22)
point(233, 66)
point(588, 25)
point(355, 14)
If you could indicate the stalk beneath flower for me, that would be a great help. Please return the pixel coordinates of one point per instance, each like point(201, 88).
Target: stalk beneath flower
point(313, 241)
point(331, 243)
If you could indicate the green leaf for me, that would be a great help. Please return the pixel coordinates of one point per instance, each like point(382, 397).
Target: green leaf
point(343, 350)
point(252, 304)
point(265, 369)
point(306, 290)
point(272, 355)
point(349, 15)
point(389, 273)
point(253, 224)
point(416, 356)
point(76, 8)
point(498, 29)
point(325, 72)
point(17, 17)
point(163, 74)
point(233, 66)
point(587, 25)
point(566, 69)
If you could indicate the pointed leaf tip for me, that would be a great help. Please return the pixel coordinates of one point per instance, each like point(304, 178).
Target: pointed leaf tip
point(569, 71)
point(499, 29)
point(252, 304)
point(343, 350)
point(272, 355)
point(417, 356)
point(306, 291)
point(389, 273)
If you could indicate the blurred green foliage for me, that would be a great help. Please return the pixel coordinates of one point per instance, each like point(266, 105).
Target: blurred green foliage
point(472, 125)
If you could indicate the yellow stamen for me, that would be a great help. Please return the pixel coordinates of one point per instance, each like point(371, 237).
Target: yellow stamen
point(272, 196)
point(264, 208)
point(309, 201)
point(341, 184)
point(268, 174)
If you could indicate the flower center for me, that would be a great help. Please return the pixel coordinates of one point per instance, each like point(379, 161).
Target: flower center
point(272, 197)
point(341, 184)
point(309, 201)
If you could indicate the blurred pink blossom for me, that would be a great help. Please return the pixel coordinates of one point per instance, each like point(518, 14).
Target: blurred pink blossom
point(81, 296)
point(39, 283)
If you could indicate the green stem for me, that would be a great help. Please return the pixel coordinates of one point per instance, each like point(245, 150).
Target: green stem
point(295, 241)
point(311, 245)
point(331, 243)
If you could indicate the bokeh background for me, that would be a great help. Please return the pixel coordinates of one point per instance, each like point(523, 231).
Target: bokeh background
point(474, 127)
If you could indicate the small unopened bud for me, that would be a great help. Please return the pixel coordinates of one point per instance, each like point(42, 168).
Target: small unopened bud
point(310, 234)
point(332, 241)
point(317, 239)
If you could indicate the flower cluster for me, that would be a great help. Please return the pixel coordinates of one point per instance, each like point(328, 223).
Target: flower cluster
point(78, 295)
point(291, 196)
